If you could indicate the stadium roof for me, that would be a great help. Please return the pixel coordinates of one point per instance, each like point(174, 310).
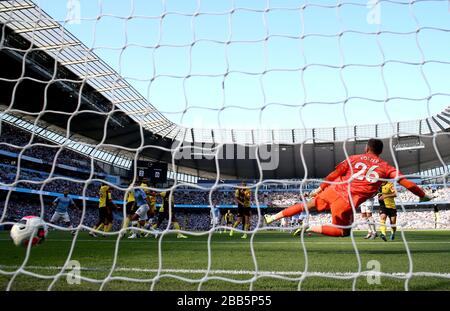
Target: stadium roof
point(315, 151)
point(46, 34)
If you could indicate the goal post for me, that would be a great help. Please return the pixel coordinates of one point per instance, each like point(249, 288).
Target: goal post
point(185, 100)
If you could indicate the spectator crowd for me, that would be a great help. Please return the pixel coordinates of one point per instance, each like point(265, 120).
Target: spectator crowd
point(275, 196)
point(15, 140)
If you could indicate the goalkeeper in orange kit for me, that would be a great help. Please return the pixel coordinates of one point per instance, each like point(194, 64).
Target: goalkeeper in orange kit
point(354, 181)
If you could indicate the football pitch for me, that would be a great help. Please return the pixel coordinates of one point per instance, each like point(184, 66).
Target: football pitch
point(277, 262)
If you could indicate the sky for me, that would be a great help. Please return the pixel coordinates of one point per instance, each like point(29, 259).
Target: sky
point(273, 64)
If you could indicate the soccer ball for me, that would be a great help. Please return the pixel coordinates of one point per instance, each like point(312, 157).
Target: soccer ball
point(29, 228)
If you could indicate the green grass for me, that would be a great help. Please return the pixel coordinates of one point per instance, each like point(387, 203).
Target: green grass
point(273, 251)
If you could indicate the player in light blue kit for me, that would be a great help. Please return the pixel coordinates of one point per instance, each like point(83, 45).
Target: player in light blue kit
point(140, 216)
point(62, 204)
point(215, 216)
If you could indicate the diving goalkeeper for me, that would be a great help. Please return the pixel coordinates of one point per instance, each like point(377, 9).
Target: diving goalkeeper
point(355, 180)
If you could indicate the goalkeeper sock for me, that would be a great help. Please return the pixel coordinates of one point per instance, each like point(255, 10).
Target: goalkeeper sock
point(290, 211)
point(383, 226)
point(247, 227)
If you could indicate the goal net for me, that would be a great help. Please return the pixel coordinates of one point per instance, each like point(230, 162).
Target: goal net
point(186, 100)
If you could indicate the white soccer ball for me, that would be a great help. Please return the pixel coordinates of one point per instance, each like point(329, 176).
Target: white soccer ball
point(29, 228)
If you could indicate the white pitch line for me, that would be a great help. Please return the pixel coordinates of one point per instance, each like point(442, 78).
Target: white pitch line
point(248, 241)
point(241, 272)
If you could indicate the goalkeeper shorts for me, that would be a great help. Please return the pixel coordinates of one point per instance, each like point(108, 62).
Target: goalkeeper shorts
point(341, 210)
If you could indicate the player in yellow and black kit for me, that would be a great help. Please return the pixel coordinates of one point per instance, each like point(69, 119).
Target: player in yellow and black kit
point(242, 196)
point(228, 219)
point(102, 210)
point(152, 202)
point(386, 198)
point(130, 208)
point(110, 207)
point(167, 205)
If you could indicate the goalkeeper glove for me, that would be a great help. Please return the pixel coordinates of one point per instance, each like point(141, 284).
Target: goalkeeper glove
point(426, 198)
point(161, 209)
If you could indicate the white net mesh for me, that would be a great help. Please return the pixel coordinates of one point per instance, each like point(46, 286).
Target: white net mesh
point(129, 81)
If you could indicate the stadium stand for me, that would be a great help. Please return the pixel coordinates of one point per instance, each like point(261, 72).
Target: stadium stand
point(271, 196)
